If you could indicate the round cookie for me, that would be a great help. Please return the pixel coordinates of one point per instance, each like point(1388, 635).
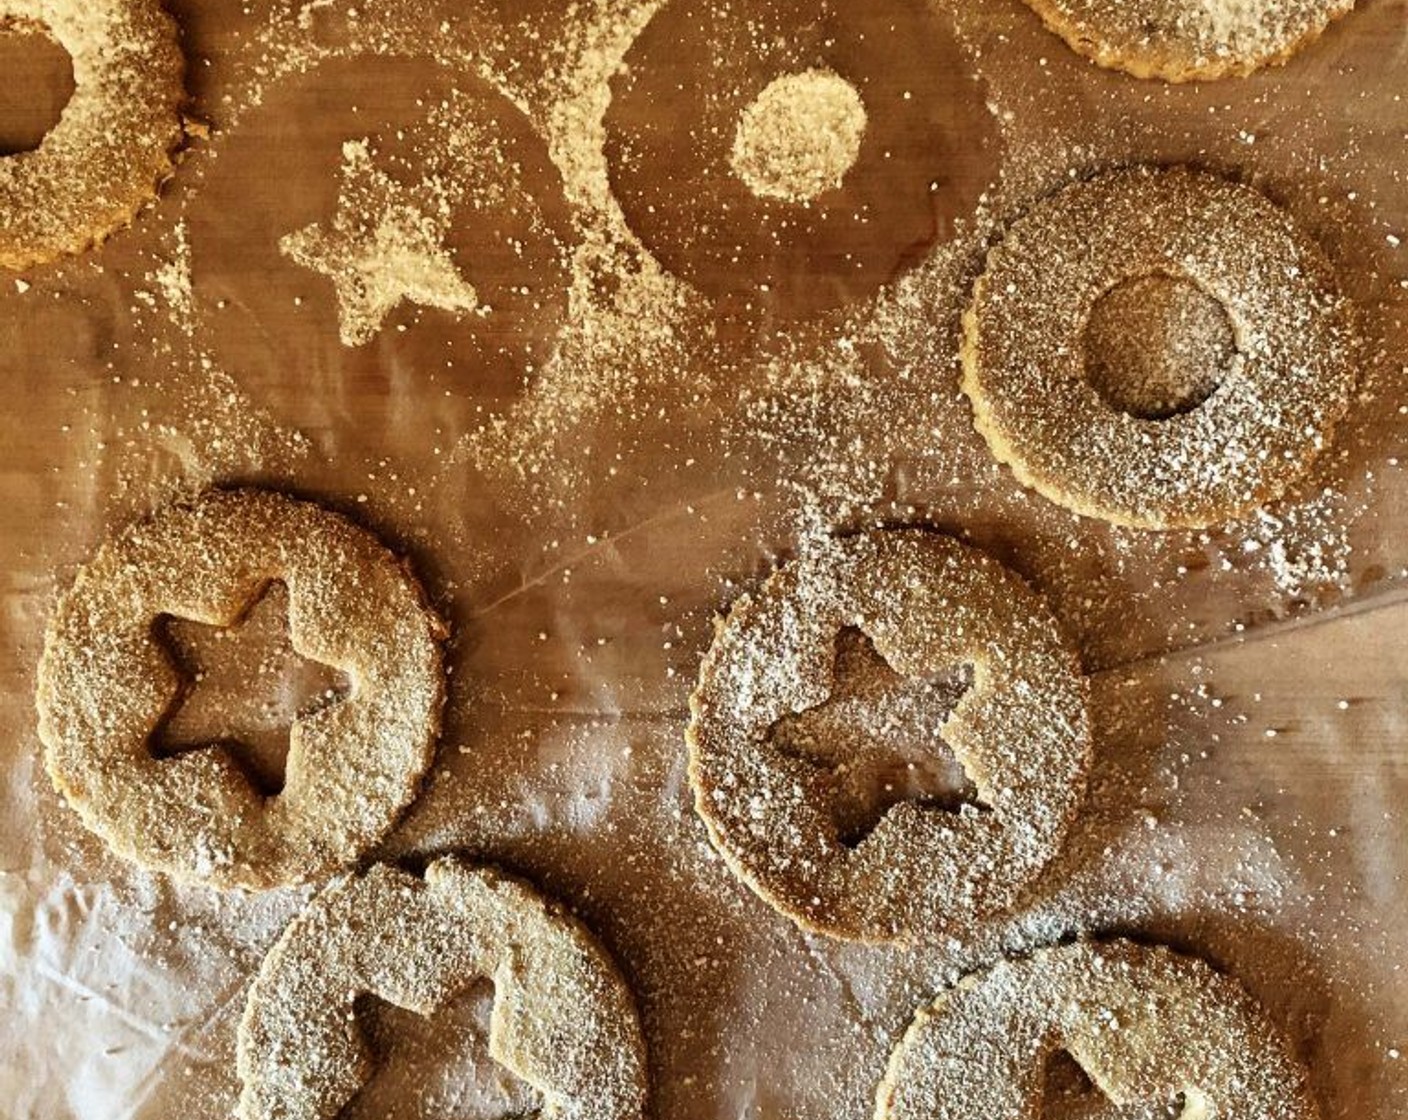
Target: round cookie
point(563, 1019)
point(112, 146)
point(1189, 40)
point(1288, 383)
point(1021, 731)
point(106, 682)
point(1148, 1027)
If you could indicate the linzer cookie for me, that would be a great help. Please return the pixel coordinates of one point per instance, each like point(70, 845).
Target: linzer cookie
point(1021, 732)
point(107, 681)
point(563, 1019)
point(1189, 40)
point(1290, 363)
point(112, 146)
point(1154, 1032)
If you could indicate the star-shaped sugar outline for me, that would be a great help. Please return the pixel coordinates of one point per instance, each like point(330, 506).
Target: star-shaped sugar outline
point(381, 249)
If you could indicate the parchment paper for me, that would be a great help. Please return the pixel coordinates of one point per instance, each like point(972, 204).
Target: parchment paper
point(581, 489)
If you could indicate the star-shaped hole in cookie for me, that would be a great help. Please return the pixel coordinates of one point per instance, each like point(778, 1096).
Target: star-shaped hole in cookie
point(429, 1067)
point(242, 688)
point(878, 735)
point(1069, 1093)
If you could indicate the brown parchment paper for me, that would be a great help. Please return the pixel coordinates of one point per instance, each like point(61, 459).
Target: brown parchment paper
point(631, 436)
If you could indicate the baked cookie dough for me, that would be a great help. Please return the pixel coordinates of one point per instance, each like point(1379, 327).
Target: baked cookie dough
point(1189, 40)
point(563, 1019)
point(1288, 383)
point(112, 146)
point(1148, 1027)
point(1021, 731)
point(106, 682)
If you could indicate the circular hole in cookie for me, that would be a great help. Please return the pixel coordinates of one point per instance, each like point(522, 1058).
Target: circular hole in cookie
point(1157, 346)
point(38, 84)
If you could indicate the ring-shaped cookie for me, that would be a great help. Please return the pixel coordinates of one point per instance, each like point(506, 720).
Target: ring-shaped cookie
point(1148, 1026)
point(112, 146)
point(563, 1018)
point(1022, 732)
point(1188, 40)
point(106, 681)
point(1288, 384)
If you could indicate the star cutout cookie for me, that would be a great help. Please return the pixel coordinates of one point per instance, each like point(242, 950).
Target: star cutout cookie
point(381, 248)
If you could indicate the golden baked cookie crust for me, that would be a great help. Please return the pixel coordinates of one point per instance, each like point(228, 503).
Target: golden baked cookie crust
point(1147, 1025)
point(106, 681)
point(563, 1019)
point(1290, 382)
point(112, 147)
point(1022, 731)
point(1189, 40)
